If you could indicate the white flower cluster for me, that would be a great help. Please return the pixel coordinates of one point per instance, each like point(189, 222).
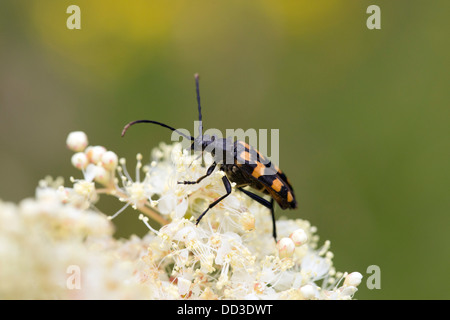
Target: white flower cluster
point(42, 239)
point(230, 254)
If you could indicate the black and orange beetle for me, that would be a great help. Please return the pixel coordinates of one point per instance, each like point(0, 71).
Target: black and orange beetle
point(247, 167)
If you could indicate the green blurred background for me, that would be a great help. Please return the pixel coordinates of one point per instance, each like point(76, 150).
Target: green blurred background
point(363, 114)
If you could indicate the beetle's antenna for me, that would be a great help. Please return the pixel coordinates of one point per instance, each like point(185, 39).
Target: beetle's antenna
point(197, 89)
point(158, 123)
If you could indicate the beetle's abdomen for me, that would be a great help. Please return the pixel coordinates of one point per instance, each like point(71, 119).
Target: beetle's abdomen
point(258, 171)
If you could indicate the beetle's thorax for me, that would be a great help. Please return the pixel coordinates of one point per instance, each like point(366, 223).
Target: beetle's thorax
point(221, 149)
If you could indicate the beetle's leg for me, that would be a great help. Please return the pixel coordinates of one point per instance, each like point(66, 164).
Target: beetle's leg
point(272, 211)
point(227, 186)
point(266, 204)
point(208, 173)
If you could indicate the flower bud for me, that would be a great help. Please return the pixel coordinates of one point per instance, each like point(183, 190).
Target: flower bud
point(95, 153)
point(80, 160)
point(109, 160)
point(285, 247)
point(77, 141)
point(307, 291)
point(353, 279)
point(299, 237)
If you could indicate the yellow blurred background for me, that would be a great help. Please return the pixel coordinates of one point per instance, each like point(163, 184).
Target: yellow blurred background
point(363, 114)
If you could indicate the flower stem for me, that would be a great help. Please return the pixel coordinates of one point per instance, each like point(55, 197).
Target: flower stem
point(152, 214)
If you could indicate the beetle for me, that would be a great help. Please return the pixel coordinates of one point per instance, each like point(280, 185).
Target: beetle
point(247, 167)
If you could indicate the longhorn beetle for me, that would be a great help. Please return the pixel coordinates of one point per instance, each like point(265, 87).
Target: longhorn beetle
point(242, 164)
